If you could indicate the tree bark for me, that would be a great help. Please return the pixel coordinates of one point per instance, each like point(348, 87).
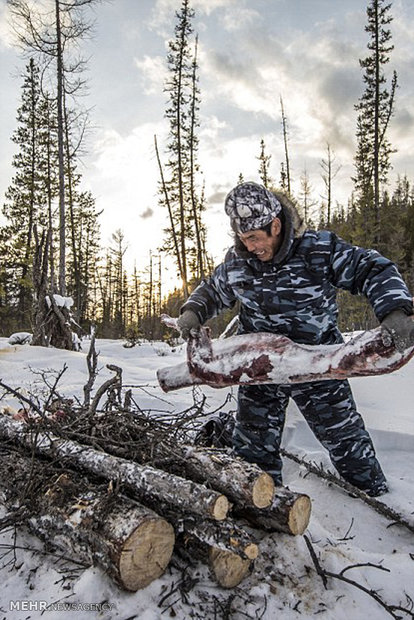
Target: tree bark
point(289, 512)
point(142, 481)
point(227, 549)
point(242, 482)
point(129, 541)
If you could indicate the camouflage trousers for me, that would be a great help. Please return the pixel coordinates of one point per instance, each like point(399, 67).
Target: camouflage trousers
point(329, 409)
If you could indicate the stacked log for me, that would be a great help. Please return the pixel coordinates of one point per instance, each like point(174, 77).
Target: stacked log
point(134, 542)
point(143, 481)
point(129, 541)
point(289, 512)
point(240, 481)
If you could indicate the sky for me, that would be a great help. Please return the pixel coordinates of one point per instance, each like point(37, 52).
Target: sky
point(251, 53)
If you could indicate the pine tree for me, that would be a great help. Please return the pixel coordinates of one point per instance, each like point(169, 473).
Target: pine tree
point(306, 200)
point(329, 172)
point(52, 35)
point(31, 189)
point(185, 232)
point(375, 108)
point(118, 250)
point(285, 170)
point(264, 166)
point(83, 254)
point(398, 235)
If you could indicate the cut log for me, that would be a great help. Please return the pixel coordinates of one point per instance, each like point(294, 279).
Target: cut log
point(133, 544)
point(129, 541)
point(290, 512)
point(226, 536)
point(228, 568)
point(241, 482)
point(249, 359)
point(227, 548)
point(142, 481)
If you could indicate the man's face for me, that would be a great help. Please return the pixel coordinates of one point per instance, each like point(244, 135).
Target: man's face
point(260, 243)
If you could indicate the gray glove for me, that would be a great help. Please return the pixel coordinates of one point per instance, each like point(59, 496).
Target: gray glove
point(398, 328)
point(187, 321)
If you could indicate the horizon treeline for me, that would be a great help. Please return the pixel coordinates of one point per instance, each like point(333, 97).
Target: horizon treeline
point(50, 243)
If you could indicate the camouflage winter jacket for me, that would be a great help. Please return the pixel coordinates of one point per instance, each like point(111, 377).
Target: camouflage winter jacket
point(295, 293)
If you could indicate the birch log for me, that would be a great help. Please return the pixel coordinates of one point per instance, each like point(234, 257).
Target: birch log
point(228, 549)
point(289, 512)
point(127, 540)
point(225, 536)
point(140, 480)
point(133, 544)
point(242, 482)
point(228, 568)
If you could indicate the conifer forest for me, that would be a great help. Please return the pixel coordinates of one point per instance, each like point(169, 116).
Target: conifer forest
point(51, 247)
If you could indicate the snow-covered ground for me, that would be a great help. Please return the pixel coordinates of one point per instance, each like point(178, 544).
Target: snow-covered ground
point(284, 584)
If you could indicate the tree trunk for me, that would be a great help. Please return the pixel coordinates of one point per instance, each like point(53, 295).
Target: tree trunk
point(289, 512)
point(241, 482)
point(225, 547)
point(61, 161)
point(285, 142)
point(129, 541)
point(224, 535)
point(52, 323)
point(142, 481)
point(228, 568)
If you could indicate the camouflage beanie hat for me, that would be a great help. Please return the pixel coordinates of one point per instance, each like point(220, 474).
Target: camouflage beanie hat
point(251, 206)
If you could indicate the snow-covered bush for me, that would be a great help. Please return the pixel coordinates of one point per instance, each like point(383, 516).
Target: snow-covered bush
point(21, 338)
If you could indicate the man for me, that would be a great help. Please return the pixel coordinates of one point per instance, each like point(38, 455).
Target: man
point(285, 279)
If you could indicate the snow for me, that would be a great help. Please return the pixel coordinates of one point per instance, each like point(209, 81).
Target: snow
point(284, 584)
point(20, 338)
point(61, 302)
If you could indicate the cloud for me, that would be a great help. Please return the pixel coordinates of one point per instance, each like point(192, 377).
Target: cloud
point(154, 72)
point(238, 18)
point(7, 38)
point(123, 175)
point(218, 196)
point(208, 6)
point(164, 12)
point(317, 74)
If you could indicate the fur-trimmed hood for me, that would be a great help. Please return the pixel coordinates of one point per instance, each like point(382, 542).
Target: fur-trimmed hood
point(293, 228)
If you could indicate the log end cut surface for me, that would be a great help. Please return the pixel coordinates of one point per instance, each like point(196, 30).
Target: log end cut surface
point(251, 551)
point(263, 491)
point(229, 569)
point(299, 515)
point(220, 508)
point(146, 554)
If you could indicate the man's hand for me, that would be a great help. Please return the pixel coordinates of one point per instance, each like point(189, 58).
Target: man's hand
point(398, 328)
point(187, 321)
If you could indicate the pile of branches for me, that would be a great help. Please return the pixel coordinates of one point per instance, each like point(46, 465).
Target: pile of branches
point(113, 485)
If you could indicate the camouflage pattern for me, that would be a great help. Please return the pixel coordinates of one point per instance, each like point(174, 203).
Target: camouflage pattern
point(295, 295)
point(329, 409)
point(251, 206)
